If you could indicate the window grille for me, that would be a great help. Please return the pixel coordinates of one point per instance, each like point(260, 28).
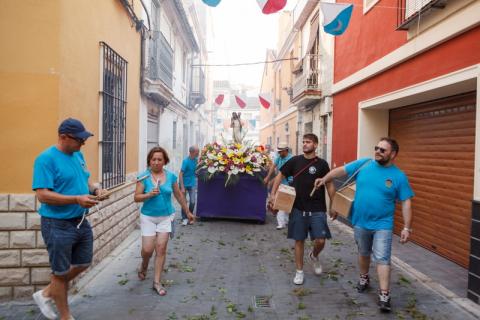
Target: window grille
point(114, 101)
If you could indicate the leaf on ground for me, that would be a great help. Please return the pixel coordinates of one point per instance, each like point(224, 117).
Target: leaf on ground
point(123, 282)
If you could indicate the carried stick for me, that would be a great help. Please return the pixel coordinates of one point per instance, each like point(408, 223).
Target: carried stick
point(126, 185)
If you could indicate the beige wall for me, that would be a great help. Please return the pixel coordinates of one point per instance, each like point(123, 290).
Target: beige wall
point(50, 70)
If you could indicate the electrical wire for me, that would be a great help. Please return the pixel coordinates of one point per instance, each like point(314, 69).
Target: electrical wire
point(242, 64)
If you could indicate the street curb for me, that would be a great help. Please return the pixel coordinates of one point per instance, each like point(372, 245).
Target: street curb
point(95, 271)
point(462, 303)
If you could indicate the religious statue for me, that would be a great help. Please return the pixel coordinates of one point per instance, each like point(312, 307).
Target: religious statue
point(237, 128)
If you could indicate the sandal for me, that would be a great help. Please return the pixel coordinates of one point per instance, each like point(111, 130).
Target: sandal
point(141, 272)
point(157, 287)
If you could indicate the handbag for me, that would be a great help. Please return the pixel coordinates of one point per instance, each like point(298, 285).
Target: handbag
point(344, 196)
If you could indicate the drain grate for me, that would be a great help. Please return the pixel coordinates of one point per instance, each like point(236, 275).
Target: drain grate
point(262, 301)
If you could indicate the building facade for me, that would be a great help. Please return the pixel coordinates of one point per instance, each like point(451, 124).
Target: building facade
point(415, 76)
point(77, 59)
point(300, 82)
point(174, 80)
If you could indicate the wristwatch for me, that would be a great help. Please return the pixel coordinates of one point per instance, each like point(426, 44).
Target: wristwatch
point(408, 229)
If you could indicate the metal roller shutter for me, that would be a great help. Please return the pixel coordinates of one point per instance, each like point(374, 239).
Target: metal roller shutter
point(437, 149)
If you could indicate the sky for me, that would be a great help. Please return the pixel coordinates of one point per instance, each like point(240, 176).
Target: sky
point(242, 33)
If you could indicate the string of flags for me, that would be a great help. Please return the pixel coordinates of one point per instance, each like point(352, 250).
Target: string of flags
point(336, 16)
point(264, 98)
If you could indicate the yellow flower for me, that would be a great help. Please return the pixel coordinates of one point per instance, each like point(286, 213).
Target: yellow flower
point(248, 169)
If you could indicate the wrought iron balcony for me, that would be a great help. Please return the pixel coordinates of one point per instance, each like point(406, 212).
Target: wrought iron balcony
point(409, 11)
point(197, 94)
point(307, 84)
point(160, 60)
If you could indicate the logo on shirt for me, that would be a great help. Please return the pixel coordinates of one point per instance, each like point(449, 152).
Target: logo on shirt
point(388, 183)
point(312, 170)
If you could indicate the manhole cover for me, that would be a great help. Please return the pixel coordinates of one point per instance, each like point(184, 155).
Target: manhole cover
point(262, 301)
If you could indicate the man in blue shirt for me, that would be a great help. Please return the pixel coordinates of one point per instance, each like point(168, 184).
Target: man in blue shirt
point(61, 184)
point(379, 184)
point(283, 156)
point(188, 180)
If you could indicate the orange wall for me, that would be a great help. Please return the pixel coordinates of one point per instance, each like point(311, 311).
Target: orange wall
point(50, 70)
point(368, 38)
point(29, 82)
point(458, 53)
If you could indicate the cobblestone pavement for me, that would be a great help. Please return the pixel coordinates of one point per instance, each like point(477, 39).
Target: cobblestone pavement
point(216, 269)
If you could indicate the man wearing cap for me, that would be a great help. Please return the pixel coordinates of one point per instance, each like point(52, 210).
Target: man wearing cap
point(283, 156)
point(61, 183)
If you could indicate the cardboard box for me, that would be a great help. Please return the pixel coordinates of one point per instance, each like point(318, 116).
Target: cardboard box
point(285, 198)
point(342, 202)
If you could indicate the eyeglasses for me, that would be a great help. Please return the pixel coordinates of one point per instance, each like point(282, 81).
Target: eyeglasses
point(382, 150)
point(79, 140)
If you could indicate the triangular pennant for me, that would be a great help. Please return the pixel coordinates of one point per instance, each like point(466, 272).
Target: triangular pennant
point(219, 100)
point(241, 103)
point(271, 6)
point(336, 17)
point(211, 3)
point(265, 100)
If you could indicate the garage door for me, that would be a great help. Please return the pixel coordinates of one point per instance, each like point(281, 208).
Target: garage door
point(437, 146)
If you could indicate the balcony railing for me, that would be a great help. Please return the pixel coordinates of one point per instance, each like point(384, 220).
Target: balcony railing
point(160, 60)
point(197, 94)
point(307, 81)
point(408, 11)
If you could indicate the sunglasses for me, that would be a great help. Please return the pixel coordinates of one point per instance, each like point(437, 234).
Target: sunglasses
point(79, 140)
point(382, 150)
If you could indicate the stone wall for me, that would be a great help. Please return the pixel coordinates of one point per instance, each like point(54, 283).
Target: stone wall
point(24, 266)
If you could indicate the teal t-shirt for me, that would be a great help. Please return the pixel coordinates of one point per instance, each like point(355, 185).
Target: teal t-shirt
point(377, 190)
point(188, 168)
point(160, 205)
point(63, 173)
point(279, 162)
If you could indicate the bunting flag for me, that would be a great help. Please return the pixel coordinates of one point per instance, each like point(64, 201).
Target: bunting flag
point(241, 102)
point(271, 6)
point(336, 17)
point(219, 100)
point(211, 3)
point(265, 100)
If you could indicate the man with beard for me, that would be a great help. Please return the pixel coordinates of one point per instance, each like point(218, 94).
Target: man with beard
point(308, 214)
point(379, 184)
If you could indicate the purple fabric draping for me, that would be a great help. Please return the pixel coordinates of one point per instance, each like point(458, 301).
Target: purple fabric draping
point(244, 200)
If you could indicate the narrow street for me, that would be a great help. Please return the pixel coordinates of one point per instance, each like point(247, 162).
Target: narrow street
point(217, 269)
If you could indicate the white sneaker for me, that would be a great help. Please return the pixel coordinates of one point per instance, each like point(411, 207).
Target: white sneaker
point(45, 305)
point(184, 222)
point(280, 227)
point(317, 267)
point(298, 280)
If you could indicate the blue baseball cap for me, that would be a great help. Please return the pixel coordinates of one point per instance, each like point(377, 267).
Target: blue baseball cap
point(75, 128)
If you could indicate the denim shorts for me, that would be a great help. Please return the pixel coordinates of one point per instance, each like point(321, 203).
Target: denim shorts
point(377, 243)
point(66, 245)
point(302, 223)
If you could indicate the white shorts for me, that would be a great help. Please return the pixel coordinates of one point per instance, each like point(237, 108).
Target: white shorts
point(150, 226)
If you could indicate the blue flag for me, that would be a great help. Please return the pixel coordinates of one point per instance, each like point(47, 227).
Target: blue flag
point(336, 17)
point(211, 3)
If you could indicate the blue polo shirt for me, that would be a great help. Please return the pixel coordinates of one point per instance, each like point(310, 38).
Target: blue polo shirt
point(62, 173)
point(188, 168)
point(377, 190)
point(279, 162)
point(161, 204)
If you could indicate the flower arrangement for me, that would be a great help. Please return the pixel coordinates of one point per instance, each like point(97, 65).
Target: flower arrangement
point(232, 160)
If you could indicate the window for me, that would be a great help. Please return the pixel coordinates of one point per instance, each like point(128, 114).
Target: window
point(174, 136)
point(184, 67)
point(114, 101)
point(152, 130)
point(286, 127)
point(369, 4)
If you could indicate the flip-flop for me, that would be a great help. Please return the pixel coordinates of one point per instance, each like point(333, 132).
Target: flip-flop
point(159, 289)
